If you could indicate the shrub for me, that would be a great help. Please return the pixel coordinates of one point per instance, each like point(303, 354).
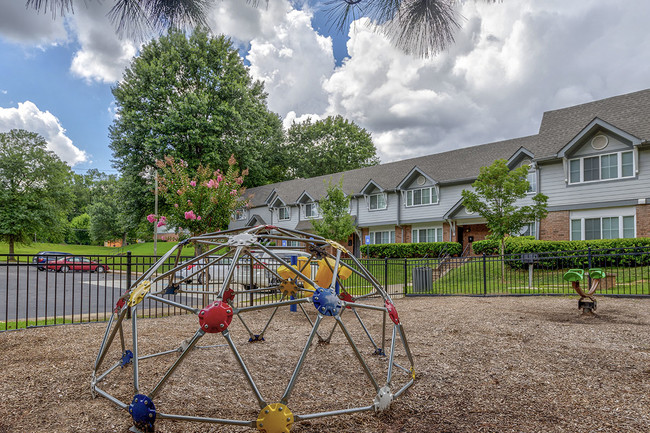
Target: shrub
point(417, 250)
point(575, 254)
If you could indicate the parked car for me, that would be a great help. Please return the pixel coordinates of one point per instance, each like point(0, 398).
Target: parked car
point(67, 264)
point(242, 275)
point(43, 257)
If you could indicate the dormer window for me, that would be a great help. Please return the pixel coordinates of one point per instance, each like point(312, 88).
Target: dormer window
point(377, 201)
point(310, 210)
point(609, 166)
point(284, 213)
point(421, 196)
point(239, 214)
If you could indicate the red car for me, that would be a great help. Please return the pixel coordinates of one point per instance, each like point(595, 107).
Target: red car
point(68, 264)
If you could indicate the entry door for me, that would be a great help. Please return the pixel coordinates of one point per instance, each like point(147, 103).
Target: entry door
point(459, 236)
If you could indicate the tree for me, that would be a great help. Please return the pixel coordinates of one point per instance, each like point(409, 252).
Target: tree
point(496, 191)
point(79, 230)
point(35, 188)
point(191, 99)
point(337, 223)
point(201, 202)
point(328, 146)
point(421, 27)
point(108, 220)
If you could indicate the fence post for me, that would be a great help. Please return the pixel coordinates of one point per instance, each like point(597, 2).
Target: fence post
point(406, 282)
point(386, 274)
point(128, 279)
point(485, 275)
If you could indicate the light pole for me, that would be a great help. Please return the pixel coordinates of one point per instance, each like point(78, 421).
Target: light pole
point(155, 211)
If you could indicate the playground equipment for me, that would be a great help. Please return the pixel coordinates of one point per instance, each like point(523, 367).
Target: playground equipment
point(587, 302)
point(384, 359)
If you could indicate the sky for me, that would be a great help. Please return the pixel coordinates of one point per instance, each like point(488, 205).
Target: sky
point(510, 62)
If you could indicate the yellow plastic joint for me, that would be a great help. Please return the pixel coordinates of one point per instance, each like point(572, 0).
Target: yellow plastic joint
point(336, 245)
point(275, 418)
point(137, 295)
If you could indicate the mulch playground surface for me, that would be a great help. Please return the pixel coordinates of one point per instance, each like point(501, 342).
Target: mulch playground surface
point(510, 364)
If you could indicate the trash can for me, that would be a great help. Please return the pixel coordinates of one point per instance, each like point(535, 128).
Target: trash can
point(422, 279)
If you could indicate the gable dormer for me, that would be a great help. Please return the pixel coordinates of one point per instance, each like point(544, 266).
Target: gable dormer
point(271, 197)
point(375, 196)
point(600, 152)
point(523, 157)
point(308, 206)
point(419, 189)
point(280, 210)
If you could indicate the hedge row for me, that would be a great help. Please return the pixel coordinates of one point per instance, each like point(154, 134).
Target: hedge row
point(574, 254)
point(424, 249)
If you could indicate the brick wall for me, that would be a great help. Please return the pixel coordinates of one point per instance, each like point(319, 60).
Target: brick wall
point(555, 227)
point(643, 221)
point(445, 232)
point(403, 234)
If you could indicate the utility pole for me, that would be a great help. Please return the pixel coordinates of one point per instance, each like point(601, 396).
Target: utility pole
point(155, 211)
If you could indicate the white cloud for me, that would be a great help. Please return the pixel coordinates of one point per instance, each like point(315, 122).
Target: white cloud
point(511, 61)
point(103, 56)
point(27, 116)
point(27, 26)
point(285, 52)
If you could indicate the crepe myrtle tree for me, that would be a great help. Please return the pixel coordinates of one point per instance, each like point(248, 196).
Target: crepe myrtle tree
point(201, 202)
point(495, 194)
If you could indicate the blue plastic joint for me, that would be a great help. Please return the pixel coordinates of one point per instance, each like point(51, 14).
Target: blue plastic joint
point(143, 412)
point(255, 338)
point(380, 352)
point(171, 289)
point(127, 357)
point(327, 302)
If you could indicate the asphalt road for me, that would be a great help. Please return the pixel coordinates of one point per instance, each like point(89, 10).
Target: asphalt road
point(27, 293)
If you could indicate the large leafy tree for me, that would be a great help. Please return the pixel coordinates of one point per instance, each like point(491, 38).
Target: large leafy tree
point(34, 188)
point(495, 194)
point(328, 146)
point(108, 220)
point(336, 223)
point(421, 27)
point(190, 98)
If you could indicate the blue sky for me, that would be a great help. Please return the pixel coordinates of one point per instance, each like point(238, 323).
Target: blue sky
point(511, 61)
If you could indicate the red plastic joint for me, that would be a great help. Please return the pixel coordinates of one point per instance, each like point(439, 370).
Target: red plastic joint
point(345, 296)
point(269, 227)
point(216, 317)
point(392, 312)
point(119, 305)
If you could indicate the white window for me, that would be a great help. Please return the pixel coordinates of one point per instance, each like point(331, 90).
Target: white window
point(310, 210)
point(601, 167)
point(427, 235)
point(532, 181)
point(239, 214)
point(528, 230)
point(377, 201)
point(421, 197)
point(284, 214)
point(606, 227)
point(382, 237)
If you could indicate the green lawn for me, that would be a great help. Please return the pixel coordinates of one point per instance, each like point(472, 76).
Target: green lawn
point(24, 324)
point(144, 249)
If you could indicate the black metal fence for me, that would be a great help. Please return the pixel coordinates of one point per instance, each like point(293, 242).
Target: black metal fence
point(40, 294)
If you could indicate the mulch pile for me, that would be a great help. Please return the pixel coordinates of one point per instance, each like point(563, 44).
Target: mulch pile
point(528, 364)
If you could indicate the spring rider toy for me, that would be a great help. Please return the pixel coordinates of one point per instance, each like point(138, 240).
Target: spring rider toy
point(587, 302)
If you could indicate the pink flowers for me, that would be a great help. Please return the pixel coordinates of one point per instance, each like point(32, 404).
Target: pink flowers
point(212, 184)
point(151, 218)
point(176, 205)
point(193, 183)
point(190, 215)
point(240, 180)
point(233, 192)
point(162, 222)
point(179, 192)
point(219, 178)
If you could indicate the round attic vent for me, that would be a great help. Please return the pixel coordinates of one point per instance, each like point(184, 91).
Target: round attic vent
point(420, 180)
point(599, 142)
point(526, 161)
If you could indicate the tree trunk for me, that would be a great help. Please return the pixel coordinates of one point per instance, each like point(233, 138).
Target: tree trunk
point(11, 249)
point(503, 260)
point(124, 239)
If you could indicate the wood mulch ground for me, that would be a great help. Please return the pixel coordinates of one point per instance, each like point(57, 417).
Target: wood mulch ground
point(512, 364)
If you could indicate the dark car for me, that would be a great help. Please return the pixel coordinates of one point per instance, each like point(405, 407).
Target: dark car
point(44, 257)
point(68, 264)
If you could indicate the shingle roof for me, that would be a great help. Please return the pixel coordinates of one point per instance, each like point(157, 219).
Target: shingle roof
point(630, 112)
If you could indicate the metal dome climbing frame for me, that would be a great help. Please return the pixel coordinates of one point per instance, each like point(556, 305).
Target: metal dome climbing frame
point(292, 285)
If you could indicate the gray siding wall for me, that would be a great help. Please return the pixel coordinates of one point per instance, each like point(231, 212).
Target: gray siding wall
point(367, 218)
point(448, 196)
point(294, 213)
point(560, 194)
